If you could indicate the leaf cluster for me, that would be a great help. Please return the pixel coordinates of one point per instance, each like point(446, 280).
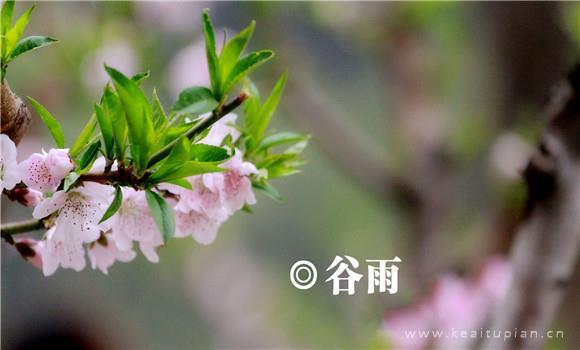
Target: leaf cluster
point(12, 44)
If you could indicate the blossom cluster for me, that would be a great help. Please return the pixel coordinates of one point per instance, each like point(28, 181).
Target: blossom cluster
point(74, 216)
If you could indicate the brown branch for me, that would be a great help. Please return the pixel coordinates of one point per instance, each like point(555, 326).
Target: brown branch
point(13, 228)
point(547, 243)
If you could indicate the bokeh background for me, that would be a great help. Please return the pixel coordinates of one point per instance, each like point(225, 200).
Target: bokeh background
point(445, 98)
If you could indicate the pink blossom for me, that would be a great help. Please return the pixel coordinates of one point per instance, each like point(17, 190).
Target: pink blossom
point(44, 172)
point(237, 187)
point(104, 252)
point(495, 277)
point(133, 222)
point(203, 229)
point(218, 195)
point(213, 198)
point(416, 318)
point(9, 175)
point(205, 197)
point(455, 304)
point(79, 212)
point(224, 127)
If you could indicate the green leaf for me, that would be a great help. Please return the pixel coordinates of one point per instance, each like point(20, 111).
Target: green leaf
point(159, 116)
point(281, 169)
point(138, 115)
point(6, 17)
point(31, 43)
point(268, 108)
point(181, 182)
point(272, 159)
point(234, 48)
point(106, 126)
point(84, 137)
point(70, 180)
point(211, 53)
point(89, 157)
point(15, 33)
point(170, 134)
point(252, 104)
point(267, 189)
point(112, 106)
point(139, 77)
point(185, 169)
point(207, 153)
point(281, 138)
point(195, 101)
point(50, 121)
point(297, 148)
point(162, 214)
point(179, 153)
point(244, 66)
point(115, 205)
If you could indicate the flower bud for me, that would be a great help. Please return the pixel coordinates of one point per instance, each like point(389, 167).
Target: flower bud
point(32, 198)
point(59, 163)
point(30, 250)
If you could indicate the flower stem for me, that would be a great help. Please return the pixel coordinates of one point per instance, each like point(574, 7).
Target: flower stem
point(13, 228)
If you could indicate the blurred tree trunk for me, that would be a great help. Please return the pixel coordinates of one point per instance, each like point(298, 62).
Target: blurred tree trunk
point(545, 252)
point(529, 56)
point(529, 51)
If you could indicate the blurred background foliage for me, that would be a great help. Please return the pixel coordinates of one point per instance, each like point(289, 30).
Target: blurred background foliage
point(446, 97)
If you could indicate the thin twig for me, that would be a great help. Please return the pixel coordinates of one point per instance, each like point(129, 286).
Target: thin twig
point(13, 228)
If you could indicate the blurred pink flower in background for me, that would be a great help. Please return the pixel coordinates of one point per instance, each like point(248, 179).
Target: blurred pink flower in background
point(9, 175)
point(44, 171)
point(119, 54)
point(460, 304)
point(189, 66)
point(170, 16)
